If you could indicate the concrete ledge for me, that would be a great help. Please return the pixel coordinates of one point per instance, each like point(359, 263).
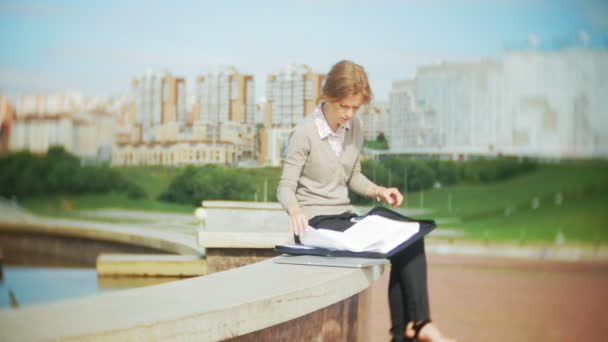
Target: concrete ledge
point(125, 233)
point(236, 216)
point(243, 240)
point(150, 265)
point(226, 250)
point(209, 308)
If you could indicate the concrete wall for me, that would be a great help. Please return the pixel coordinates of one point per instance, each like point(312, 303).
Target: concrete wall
point(26, 248)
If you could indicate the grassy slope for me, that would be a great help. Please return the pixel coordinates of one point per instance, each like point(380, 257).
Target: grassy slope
point(480, 210)
point(62, 205)
point(153, 179)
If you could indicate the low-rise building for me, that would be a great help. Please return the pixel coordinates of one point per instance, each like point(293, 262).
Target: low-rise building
point(176, 153)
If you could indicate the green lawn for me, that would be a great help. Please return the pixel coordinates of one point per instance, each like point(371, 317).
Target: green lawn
point(375, 145)
point(63, 206)
point(153, 179)
point(267, 182)
point(504, 211)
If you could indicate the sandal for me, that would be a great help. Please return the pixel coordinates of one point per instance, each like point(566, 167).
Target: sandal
point(418, 325)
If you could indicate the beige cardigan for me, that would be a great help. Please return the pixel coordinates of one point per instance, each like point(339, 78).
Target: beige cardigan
point(315, 178)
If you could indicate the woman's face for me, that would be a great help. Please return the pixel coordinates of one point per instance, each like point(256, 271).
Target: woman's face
point(343, 110)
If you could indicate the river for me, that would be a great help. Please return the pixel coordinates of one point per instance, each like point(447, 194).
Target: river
point(34, 285)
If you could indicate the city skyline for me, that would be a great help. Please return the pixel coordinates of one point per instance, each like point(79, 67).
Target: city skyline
point(99, 47)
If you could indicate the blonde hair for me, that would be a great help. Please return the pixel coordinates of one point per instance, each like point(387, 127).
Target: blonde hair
point(344, 79)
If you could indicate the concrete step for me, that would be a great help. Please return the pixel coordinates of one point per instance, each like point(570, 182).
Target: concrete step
point(152, 265)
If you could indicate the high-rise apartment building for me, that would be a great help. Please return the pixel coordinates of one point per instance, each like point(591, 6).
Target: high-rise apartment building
point(224, 107)
point(6, 119)
point(160, 106)
point(225, 96)
point(555, 102)
point(532, 103)
point(219, 128)
point(291, 94)
point(466, 98)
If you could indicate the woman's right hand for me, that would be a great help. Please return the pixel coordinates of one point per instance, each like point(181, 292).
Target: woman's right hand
point(297, 221)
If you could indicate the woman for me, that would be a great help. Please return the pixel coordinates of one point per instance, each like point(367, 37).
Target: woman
point(322, 163)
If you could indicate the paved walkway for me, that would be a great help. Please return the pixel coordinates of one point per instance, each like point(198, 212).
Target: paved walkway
point(506, 299)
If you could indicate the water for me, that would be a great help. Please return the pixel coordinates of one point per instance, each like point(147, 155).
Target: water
point(34, 285)
point(40, 284)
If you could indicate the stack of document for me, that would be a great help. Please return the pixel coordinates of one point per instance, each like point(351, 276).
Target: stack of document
point(373, 233)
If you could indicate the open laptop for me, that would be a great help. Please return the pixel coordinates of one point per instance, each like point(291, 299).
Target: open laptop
point(316, 260)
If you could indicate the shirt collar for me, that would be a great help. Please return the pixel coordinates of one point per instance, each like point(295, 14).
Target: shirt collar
point(323, 126)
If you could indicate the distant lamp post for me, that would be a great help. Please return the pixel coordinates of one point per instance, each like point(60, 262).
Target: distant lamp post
point(560, 238)
point(201, 216)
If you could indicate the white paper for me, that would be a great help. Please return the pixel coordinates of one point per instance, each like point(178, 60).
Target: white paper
point(372, 234)
point(299, 246)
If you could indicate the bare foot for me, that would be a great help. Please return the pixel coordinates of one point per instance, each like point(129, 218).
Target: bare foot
point(428, 333)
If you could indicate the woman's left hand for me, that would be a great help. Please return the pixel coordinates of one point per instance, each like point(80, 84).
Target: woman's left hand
point(391, 196)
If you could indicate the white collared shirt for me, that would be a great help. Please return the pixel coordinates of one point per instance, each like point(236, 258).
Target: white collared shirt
point(335, 139)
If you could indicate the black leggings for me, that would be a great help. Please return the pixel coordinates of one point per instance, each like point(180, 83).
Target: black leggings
point(407, 289)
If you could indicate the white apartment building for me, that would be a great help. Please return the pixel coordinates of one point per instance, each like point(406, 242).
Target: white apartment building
point(555, 102)
point(415, 122)
point(532, 103)
point(83, 128)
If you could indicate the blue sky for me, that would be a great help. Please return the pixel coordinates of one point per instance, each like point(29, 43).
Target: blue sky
point(99, 46)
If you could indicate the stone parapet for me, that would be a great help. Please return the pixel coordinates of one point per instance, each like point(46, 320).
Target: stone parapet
point(214, 307)
point(222, 259)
